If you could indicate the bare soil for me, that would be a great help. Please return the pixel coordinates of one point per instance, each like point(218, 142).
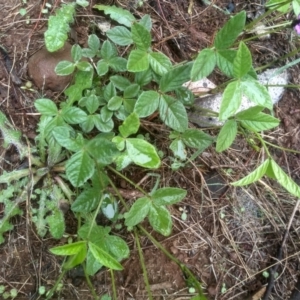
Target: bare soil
point(231, 236)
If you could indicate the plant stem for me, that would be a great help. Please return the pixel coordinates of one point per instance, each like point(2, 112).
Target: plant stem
point(113, 284)
point(52, 291)
point(88, 280)
point(142, 261)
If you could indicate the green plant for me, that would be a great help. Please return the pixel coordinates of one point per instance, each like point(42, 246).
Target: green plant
point(96, 132)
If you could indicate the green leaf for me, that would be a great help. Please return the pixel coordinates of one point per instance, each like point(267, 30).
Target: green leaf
point(259, 122)
point(231, 100)
point(114, 103)
point(56, 224)
point(173, 113)
point(102, 150)
point(242, 62)
point(174, 78)
point(226, 136)
point(196, 138)
point(75, 260)
point(138, 212)
point(253, 176)
point(160, 219)
point(120, 35)
point(102, 67)
point(94, 43)
point(69, 249)
point(143, 78)
point(46, 107)
point(120, 82)
point(84, 66)
point(168, 196)
point(108, 50)
point(79, 168)
point(92, 265)
point(146, 22)
point(76, 53)
point(130, 125)
point(178, 149)
point(117, 247)
point(142, 153)
point(64, 68)
point(120, 15)
point(225, 59)
point(159, 63)
point(230, 31)
point(73, 115)
point(103, 126)
point(141, 36)
point(256, 93)
point(147, 104)
point(87, 201)
point(285, 180)
point(131, 91)
point(118, 64)
point(62, 135)
point(138, 61)
point(204, 64)
point(249, 113)
point(104, 258)
point(106, 114)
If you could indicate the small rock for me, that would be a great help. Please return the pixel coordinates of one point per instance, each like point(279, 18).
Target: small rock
point(41, 67)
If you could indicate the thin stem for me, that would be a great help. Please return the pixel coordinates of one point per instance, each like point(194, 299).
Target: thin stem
point(281, 148)
point(142, 261)
point(88, 280)
point(52, 291)
point(113, 284)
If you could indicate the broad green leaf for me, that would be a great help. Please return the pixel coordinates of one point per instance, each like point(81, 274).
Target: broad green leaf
point(117, 247)
point(204, 64)
point(146, 104)
point(120, 35)
point(104, 258)
point(160, 219)
point(185, 96)
point(249, 113)
point(123, 160)
point(114, 103)
point(84, 66)
point(231, 100)
point(226, 136)
point(143, 78)
point(73, 115)
point(64, 68)
point(259, 122)
point(119, 142)
point(102, 150)
point(106, 113)
point(178, 149)
point(109, 91)
point(225, 59)
point(230, 31)
point(103, 126)
point(76, 53)
point(282, 5)
point(88, 123)
point(79, 168)
point(101, 67)
point(120, 15)
point(256, 93)
point(174, 78)
point(69, 249)
point(173, 113)
point(130, 125)
point(56, 222)
point(91, 102)
point(92, 265)
point(159, 63)
point(94, 43)
point(285, 180)
point(108, 50)
point(138, 212)
point(142, 153)
point(146, 22)
point(253, 176)
point(168, 196)
point(141, 36)
point(138, 61)
point(242, 62)
point(196, 138)
point(83, 80)
point(75, 260)
point(120, 82)
point(131, 91)
point(46, 107)
point(87, 201)
point(118, 64)
point(62, 135)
